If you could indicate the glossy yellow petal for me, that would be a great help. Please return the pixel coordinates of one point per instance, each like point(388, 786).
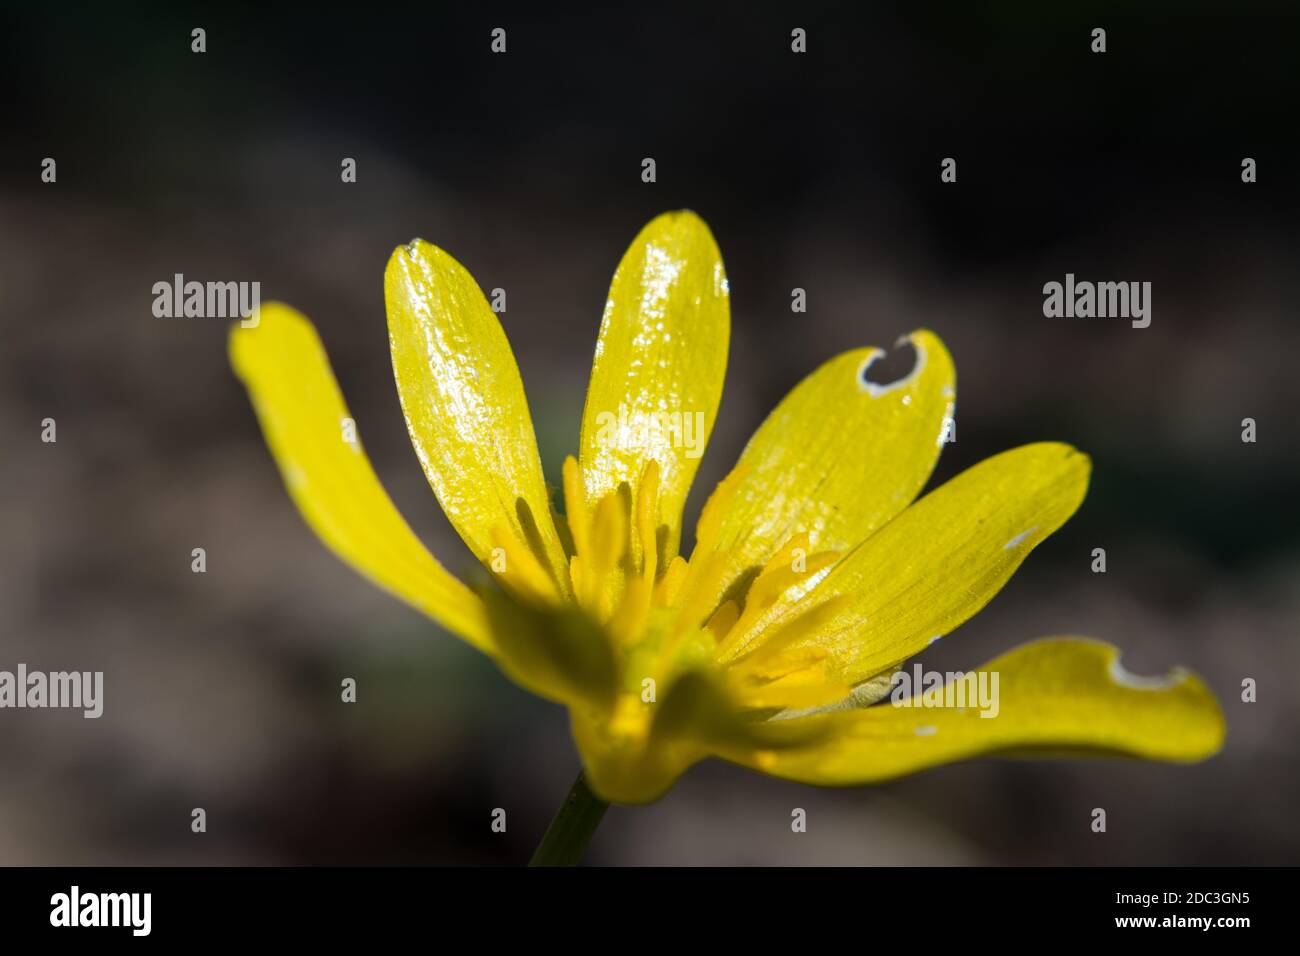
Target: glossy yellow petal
point(1054, 696)
point(838, 457)
point(940, 561)
point(465, 407)
point(657, 375)
point(307, 426)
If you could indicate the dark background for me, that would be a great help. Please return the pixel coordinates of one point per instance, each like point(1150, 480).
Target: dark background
point(819, 171)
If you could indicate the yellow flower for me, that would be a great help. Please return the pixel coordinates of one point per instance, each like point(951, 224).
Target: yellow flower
point(814, 573)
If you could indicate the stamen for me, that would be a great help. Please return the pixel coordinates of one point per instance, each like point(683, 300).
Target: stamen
point(776, 582)
point(605, 560)
point(696, 600)
point(670, 585)
point(523, 573)
point(575, 506)
point(647, 514)
point(608, 533)
point(628, 623)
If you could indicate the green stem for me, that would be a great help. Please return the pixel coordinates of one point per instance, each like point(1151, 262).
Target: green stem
point(571, 830)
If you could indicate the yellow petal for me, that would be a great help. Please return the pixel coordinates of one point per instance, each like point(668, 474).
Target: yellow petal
point(465, 406)
point(307, 426)
point(1058, 695)
point(941, 560)
point(838, 457)
point(660, 361)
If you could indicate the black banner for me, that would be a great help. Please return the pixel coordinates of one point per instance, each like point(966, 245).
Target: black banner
point(95, 905)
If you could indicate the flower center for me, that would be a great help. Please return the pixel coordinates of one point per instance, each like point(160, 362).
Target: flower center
point(665, 615)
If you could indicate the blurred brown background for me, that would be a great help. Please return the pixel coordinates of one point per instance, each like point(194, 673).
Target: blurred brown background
point(819, 171)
